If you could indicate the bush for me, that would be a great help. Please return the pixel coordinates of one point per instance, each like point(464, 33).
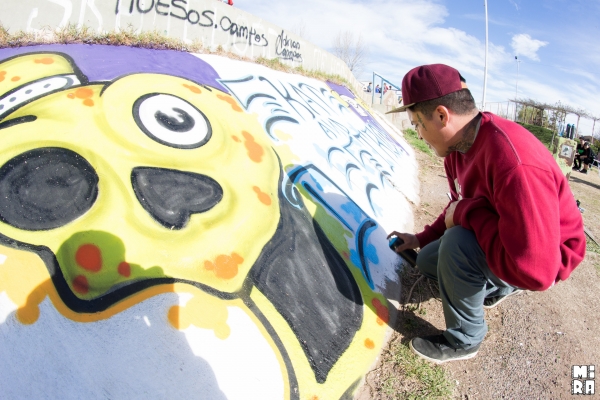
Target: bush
point(543, 134)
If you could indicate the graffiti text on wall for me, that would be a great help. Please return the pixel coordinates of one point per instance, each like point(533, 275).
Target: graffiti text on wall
point(203, 19)
point(287, 49)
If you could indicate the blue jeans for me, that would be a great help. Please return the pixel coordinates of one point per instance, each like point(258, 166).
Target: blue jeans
point(458, 264)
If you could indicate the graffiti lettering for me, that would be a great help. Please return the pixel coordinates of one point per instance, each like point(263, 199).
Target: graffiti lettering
point(205, 19)
point(243, 32)
point(175, 5)
point(287, 49)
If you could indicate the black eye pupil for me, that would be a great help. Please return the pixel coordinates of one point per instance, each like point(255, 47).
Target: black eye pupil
point(184, 123)
point(46, 188)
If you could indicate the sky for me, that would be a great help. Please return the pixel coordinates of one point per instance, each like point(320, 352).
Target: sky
point(556, 42)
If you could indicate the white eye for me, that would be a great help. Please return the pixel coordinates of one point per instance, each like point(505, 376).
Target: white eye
point(171, 121)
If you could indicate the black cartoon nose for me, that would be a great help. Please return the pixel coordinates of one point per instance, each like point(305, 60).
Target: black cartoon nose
point(171, 196)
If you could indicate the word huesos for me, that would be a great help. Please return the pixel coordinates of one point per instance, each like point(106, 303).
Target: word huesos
point(176, 9)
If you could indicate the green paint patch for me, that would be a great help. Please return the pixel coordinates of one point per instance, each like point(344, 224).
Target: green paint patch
point(93, 262)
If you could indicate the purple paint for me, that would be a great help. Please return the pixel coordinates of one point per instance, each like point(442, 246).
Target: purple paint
point(106, 63)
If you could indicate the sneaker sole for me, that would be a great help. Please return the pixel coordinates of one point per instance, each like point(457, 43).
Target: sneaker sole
point(515, 292)
point(435, 361)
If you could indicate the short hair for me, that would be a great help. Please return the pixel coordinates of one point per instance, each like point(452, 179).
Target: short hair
point(460, 102)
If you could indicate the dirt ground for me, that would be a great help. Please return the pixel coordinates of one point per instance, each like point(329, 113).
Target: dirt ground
point(534, 338)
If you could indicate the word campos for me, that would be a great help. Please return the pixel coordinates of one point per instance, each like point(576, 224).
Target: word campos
point(583, 379)
point(205, 19)
point(287, 48)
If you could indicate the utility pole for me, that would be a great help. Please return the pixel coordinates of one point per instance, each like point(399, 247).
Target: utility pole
point(486, 55)
point(516, 87)
point(517, 84)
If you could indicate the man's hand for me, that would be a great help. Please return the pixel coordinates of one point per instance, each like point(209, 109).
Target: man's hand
point(410, 241)
point(450, 214)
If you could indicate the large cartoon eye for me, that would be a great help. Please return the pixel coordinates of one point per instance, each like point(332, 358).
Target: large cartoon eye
point(171, 121)
point(46, 188)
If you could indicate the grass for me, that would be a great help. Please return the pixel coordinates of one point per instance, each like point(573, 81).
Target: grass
point(412, 138)
point(70, 34)
point(429, 380)
point(591, 246)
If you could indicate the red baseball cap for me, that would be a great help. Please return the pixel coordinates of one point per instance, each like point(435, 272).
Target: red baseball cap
point(428, 82)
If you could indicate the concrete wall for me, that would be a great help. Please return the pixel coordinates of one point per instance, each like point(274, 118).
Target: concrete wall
point(190, 226)
point(212, 22)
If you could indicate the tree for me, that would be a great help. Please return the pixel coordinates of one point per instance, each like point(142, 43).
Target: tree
point(301, 30)
point(353, 52)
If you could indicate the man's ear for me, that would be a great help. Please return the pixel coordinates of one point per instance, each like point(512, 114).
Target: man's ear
point(442, 114)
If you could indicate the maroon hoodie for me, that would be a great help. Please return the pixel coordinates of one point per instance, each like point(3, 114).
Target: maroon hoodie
point(516, 200)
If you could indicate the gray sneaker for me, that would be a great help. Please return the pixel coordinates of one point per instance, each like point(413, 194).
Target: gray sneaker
point(491, 302)
point(438, 350)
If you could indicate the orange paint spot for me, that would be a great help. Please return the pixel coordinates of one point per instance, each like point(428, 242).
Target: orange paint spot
point(255, 150)
point(71, 95)
point(236, 139)
point(369, 344)
point(346, 255)
point(225, 267)
point(2, 75)
point(173, 316)
point(45, 60)
point(231, 101)
point(262, 197)
point(80, 284)
point(88, 256)
point(84, 93)
point(124, 269)
point(315, 397)
point(194, 89)
point(88, 102)
point(383, 314)
point(15, 78)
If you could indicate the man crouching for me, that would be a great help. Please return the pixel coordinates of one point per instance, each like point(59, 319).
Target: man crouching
point(512, 223)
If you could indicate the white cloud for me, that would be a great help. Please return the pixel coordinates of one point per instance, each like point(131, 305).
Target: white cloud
point(402, 34)
point(525, 45)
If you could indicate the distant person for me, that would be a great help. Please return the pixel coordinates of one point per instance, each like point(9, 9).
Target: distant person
point(369, 87)
point(377, 89)
point(587, 157)
point(511, 223)
point(578, 153)
point(385, 88)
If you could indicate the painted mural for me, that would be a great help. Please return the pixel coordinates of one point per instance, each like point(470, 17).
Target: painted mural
point(178, 225)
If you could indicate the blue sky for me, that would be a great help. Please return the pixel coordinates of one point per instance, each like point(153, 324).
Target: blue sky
point(557, 41)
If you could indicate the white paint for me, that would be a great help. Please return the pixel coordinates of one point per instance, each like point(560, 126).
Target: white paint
point(7, 307)
point(68, 10)
point(128, 357)
point(32, 15)
point(2, 258)
point(95, 11)
point(252, 356)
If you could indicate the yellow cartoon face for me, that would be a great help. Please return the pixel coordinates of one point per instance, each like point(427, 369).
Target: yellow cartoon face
point(147, 178)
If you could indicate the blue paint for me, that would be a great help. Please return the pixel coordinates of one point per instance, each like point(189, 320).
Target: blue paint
point(352, 209)
point(371, 253)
